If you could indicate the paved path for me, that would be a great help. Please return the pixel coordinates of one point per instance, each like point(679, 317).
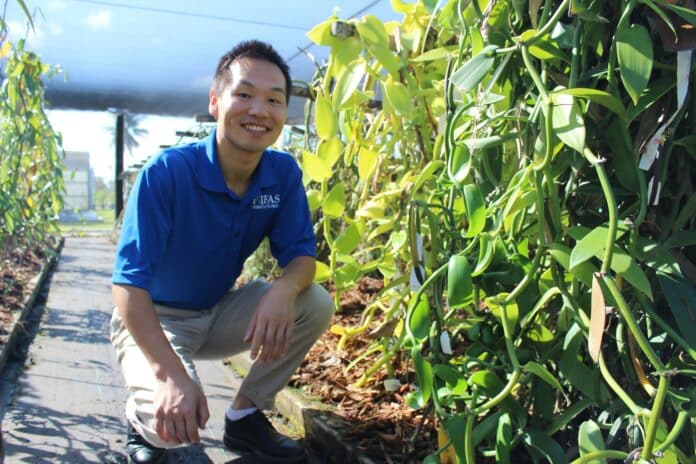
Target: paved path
point(65, 404)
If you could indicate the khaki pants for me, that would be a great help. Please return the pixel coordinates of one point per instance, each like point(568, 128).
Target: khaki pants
point(215, 334)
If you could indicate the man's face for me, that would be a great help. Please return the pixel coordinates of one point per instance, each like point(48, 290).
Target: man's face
point(251, 110)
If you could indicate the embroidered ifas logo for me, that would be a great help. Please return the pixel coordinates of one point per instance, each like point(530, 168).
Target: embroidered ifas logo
point(265, 201)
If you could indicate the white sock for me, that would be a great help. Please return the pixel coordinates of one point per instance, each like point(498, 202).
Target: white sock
point(236, 414)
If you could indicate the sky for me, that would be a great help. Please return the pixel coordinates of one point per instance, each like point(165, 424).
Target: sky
point(162, 53)
point(92, 131)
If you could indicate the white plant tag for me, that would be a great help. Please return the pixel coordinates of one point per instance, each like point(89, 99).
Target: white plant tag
point(652, 148)
point(445, 342)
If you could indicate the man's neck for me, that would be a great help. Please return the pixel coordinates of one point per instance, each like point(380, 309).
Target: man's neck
point(237, 170)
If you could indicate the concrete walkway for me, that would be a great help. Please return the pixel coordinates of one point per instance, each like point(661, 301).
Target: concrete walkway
point(65, 404)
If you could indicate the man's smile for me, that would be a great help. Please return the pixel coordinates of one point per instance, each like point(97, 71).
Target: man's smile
point(255, 127)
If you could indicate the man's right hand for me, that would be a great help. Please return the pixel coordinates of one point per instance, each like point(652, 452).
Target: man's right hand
point(180, 406)
point(180, 409)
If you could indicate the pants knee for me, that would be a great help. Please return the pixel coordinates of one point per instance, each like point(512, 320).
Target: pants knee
point(316, 306)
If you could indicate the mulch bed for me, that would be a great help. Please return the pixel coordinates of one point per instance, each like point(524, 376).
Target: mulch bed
point(383, 426)
point(17, 268)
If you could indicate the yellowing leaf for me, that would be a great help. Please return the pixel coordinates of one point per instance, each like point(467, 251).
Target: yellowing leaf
point(316, 168)
point(330, 150)
point(372, 30)
point(314, 199)
point(344, 51)
point(348, 82)
point(401, 7)
point(597, 320)
point(348, 240)
point(337, 329)
point(387, 59)
point(5, 49)
point(441, 53)
point(325, 119)
point(399, 98)
point(367, 160)
point(371, 210)
point(335, 201)
point(544, 48)
point(448, 456)
point(321, 33)
point(322, 273)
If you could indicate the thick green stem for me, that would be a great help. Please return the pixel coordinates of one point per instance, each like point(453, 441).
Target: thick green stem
point(541, 213)
point(655, 417)
point(469, 455)
point(554, 202)
point(548, 136)
point(596, 456)
point(557, 15)
point(573, 79)
point(534, 74)
point(507, 330)
point(496, 400)
point(632, 324)
point(643, 201)
point(477, 9)
point(620, 392)
point(386, 357)
point(545, 12)
point(611, 208)
point(351, 332)
point(527, 279)
point(674, 432)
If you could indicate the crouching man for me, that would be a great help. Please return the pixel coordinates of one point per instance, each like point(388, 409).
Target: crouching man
point(194, 215)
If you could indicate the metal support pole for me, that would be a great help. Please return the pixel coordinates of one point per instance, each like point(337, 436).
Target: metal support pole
point(118, 179)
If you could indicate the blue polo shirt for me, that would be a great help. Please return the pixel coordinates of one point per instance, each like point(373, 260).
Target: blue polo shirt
point(185, 235)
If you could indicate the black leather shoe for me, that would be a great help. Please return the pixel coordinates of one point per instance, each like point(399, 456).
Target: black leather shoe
point(140, 451)
point(255, 433)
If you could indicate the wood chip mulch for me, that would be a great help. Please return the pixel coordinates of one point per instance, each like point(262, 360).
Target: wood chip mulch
point(382, 425)
point(17, 268)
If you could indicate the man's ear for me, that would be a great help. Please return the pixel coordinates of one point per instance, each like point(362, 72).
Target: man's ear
point(213, 103)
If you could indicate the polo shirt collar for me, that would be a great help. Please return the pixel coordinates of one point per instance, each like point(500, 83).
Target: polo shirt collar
point(210, 175)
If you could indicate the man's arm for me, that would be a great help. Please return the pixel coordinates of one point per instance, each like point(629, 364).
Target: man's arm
point(180, 406)
point(270, 329)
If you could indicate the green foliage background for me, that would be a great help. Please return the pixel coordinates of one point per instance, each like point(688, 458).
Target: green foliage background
point(488, 160)
point(31, 157)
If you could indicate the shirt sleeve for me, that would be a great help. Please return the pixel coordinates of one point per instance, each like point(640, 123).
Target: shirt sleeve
point(145, 227)
point(292, 234)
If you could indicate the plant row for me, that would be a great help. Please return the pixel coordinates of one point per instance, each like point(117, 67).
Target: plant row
point(521, 175)
point(31, 157)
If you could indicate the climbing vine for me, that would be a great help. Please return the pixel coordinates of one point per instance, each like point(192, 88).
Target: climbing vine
point(31, 157)
point(521, 175)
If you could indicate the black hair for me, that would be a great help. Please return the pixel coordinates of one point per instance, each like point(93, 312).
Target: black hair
point(254, 49)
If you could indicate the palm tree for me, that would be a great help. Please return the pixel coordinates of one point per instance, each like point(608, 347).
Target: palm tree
point(133, 131)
